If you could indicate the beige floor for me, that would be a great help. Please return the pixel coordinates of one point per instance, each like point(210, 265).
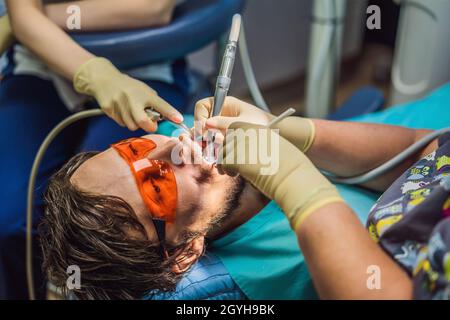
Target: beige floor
point(355, 73)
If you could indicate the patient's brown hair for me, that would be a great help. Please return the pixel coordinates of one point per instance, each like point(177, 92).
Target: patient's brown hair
point(102, 236)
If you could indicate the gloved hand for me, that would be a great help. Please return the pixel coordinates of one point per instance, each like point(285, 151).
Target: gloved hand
point(233, 110)
point(121, 97)
point(296, 185)
point(6, 35)
point(299, 131)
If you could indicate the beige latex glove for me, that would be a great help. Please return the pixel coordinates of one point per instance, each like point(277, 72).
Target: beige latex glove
point(297, 186)
point(121, 97)
point(233, 110)
point(299, 131)
point(6, 35)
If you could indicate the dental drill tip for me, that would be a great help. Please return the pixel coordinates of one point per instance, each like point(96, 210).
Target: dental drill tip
point(235, 27)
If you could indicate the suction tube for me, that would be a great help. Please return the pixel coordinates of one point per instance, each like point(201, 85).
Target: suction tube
point(31, 184)
point(249, 74)
point(402, 156)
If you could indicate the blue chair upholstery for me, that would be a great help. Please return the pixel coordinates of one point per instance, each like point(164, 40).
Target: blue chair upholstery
point(365, 100)
point(195, 24)
point(2, 8)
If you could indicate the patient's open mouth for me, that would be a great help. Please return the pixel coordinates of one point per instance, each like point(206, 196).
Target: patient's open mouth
point(190, 152)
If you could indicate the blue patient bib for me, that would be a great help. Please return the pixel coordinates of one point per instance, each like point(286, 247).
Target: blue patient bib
point(264, 259)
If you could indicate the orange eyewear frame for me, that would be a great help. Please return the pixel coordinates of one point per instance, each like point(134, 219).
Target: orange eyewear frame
point(156, 183)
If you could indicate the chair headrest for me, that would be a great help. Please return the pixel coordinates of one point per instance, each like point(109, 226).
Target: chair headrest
point(195, 24)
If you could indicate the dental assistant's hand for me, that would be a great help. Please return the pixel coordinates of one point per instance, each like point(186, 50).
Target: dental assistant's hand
point(299, 131)
point(6, 35)
point(292, 181)
point(121, 97)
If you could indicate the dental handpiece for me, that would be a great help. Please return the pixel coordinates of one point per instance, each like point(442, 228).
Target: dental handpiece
point(226, 69)
point(223, 81)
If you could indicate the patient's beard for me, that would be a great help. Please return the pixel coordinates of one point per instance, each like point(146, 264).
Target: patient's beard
point(230, 204)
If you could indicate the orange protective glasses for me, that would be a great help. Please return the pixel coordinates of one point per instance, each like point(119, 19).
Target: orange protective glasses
point(155, 180)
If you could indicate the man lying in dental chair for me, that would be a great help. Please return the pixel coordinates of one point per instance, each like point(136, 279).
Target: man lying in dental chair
point(137, 216)
point(98, 217)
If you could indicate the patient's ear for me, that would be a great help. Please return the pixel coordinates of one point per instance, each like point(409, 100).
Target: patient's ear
point(189, 255)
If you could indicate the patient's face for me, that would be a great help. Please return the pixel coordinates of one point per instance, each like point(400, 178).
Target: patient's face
point(204, 196)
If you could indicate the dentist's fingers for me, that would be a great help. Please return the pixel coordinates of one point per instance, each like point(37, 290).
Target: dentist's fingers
point(220, 122)
point(142, 120)
point(129, 121)
point(115, 114)
point(233, 110)
point(203, 108)
point(201, 113)
point(164, 108)
point(226, 155)
point(219, 138)
point(120, 94)
point(230, 109)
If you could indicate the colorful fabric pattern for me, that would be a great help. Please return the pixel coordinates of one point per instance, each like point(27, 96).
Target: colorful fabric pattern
point(411, 222)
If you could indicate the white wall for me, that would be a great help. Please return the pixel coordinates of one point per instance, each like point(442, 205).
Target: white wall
point(277, 34)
